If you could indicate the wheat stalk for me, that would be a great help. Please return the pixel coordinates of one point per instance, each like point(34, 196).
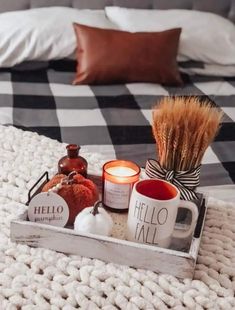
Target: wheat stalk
point(183, 129)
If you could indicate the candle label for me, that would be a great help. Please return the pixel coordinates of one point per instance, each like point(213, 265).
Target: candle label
point(48, 208)
point(117, 196)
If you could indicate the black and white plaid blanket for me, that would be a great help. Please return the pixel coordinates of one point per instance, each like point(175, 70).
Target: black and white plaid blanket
point(113, 120)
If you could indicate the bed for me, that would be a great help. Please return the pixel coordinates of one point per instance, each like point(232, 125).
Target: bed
point(114, 120)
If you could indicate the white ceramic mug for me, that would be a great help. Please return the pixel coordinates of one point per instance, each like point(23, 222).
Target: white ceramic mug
point(153, 209)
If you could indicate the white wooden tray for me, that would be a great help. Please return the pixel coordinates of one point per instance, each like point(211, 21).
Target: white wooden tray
point(179, 261)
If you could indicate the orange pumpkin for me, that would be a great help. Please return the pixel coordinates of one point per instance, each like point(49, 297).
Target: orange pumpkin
point(78, 192)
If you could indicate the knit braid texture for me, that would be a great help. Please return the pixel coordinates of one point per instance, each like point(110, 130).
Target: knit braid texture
point(36, 278)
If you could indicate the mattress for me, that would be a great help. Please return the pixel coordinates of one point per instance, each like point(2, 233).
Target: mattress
point(114, 120)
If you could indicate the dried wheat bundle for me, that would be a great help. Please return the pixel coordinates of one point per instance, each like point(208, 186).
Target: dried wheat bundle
point(183, 129)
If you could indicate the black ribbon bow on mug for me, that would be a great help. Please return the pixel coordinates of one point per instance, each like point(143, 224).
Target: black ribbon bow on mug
point(185, 181)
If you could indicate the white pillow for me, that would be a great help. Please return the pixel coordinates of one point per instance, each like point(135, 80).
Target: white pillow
point(205, 36)
point(44, 33)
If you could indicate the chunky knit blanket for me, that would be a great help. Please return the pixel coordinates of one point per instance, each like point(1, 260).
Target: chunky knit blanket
point(35, 278)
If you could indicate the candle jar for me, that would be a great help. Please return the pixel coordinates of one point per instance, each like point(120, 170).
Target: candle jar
point(119, 177)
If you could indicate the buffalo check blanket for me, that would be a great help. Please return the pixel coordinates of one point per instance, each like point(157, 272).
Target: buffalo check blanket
point(114, 120)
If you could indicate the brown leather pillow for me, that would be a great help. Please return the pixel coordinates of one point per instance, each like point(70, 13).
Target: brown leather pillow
point(112, 56)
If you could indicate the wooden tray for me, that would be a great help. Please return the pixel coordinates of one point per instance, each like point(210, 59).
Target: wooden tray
point(179, 261)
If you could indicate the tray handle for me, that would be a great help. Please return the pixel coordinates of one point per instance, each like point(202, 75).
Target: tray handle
point(30, 195)
point(198, 228)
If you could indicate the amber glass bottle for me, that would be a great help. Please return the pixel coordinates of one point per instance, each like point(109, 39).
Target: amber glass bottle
point(72, 162)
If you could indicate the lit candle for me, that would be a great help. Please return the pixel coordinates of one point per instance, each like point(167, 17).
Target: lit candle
point(118, 179)
point(121, 171)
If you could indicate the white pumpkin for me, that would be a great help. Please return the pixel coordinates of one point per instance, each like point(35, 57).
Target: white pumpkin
point(94, 220)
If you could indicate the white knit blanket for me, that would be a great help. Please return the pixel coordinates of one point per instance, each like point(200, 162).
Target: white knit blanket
point(33, 278)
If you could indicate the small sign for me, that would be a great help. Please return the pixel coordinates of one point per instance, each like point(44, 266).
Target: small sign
point(48, 208)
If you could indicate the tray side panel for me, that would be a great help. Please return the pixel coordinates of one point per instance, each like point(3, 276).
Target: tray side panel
point(106, 250)
point(195, 244)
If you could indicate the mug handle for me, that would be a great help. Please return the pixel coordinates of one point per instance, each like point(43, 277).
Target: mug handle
point(194, 210)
